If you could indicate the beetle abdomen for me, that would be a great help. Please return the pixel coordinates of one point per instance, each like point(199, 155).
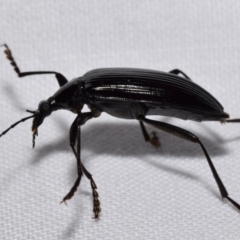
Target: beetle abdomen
point(158, 92)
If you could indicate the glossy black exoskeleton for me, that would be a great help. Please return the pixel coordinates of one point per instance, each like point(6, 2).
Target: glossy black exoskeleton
point(131, 94)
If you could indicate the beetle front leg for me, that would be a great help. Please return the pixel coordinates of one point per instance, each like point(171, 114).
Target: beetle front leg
point(74, 135)
point(96, 202)
point(179, 132)
point(153, 139)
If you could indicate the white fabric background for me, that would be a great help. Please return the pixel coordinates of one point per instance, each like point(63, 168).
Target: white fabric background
point(168, 193)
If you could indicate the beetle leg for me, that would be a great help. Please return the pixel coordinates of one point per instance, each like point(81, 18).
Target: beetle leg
point(148, 138)
point(96, 202)
point(74, 134)
point(60, 78)
point(237, 120)
point(179, 132)
point(177, 71)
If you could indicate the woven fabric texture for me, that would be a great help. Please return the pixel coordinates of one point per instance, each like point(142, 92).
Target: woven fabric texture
point(145, 193)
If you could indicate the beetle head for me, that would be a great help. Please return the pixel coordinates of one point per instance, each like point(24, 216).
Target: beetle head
point(44, 110)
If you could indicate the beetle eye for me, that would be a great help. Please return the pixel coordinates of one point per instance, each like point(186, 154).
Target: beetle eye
point(46, 107)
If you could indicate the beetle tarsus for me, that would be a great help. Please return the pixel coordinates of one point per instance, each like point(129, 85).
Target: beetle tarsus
point(95, 195)
point(60, 78)
point(9, 55)
point(96, 204)
point(152, 138)
point(72, 191)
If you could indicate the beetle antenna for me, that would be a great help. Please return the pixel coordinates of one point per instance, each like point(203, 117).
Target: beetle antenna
point(35, 133)
point(15, 124)
point(33, 112)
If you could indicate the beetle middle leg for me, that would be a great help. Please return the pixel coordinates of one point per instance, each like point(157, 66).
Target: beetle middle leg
point(152, 138)
point(179, 132)
point(75, 135)
point(60, 78)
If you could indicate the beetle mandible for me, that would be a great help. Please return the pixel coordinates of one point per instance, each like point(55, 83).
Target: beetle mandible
point(128, 93)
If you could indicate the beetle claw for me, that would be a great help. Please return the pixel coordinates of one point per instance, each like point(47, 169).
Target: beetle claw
point(154, 140)
point(63, 201)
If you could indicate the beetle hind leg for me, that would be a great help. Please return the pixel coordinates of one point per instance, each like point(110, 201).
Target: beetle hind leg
point(179, 132)
point(237, 120)
point(152, 138)
point(177, 72)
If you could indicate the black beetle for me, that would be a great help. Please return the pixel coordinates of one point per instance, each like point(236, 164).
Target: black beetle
point(131, 94)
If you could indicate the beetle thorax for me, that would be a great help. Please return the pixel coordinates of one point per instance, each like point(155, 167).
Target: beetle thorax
point(69, 96)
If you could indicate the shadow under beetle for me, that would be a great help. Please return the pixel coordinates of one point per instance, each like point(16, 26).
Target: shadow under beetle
point(130, 94)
